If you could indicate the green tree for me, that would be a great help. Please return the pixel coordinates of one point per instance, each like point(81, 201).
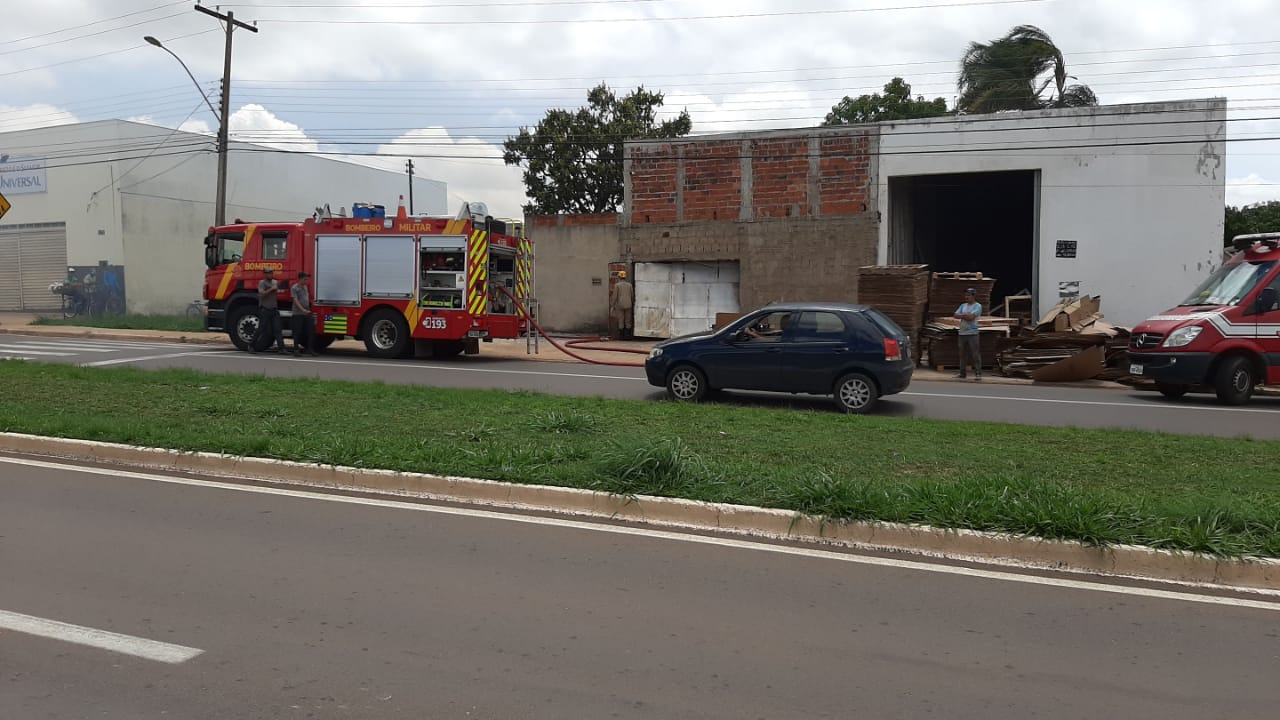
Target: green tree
point(1013, 73)
point(572, 160)
point(896, 104)
point(1251, 219)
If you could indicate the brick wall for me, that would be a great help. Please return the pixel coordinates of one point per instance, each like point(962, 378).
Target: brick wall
point(562, 220)
point(780, 177)
point(825, 172)
point(571, 253)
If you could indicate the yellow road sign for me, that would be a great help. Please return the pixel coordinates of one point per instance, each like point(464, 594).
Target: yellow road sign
point(4, 206)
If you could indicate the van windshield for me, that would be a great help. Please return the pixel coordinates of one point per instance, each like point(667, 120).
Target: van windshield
point(1230, 284)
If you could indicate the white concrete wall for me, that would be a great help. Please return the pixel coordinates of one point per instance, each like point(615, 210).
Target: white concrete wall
point(153, 213)
point(1141, 188)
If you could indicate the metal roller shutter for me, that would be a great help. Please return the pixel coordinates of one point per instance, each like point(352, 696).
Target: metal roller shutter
point(32, 257)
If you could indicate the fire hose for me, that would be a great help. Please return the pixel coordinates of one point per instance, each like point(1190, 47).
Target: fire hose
point(577, 343)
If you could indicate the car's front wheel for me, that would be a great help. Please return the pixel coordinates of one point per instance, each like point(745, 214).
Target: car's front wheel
point(1172, 391)
point(856, 393)
point(687, 383)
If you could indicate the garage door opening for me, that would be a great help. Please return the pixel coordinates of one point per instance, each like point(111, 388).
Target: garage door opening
point(680, 298)
point(32, 257)
point(969, 222)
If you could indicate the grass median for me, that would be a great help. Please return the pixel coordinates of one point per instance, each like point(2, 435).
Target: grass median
point(1213, 495)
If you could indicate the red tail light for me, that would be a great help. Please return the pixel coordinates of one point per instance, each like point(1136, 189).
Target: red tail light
point(891, 350)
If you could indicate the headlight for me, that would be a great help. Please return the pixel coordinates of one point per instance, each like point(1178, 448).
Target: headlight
point(1183, 337)
point(655, 353)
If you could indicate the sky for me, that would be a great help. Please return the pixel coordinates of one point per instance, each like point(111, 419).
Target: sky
point(446, 82)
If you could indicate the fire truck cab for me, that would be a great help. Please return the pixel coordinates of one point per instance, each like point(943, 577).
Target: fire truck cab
point(404, 285)
point(1225, 336)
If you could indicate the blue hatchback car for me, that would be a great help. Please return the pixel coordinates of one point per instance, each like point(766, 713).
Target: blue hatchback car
point(852, 352)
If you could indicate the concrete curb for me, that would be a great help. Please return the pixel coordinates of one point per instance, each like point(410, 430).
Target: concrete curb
point(1124, 561)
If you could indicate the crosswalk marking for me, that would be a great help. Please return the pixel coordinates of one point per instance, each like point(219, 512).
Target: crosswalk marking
point(64, 346)
point(20, 349)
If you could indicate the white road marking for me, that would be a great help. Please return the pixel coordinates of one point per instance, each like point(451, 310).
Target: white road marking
point(101, 639)
point(384, 365)
point(1161, 407)
point(125, 361)
point(67, 347)
point(26, 351)
point(895, 563)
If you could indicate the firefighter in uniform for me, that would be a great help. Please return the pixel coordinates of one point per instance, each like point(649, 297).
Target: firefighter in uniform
point(621, 299)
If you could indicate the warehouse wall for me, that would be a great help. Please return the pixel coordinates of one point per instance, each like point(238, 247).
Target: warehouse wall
point(1140, 189)
point(151, 213)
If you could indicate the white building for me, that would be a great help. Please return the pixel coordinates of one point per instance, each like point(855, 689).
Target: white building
point(141, 198)
point(1122, 201)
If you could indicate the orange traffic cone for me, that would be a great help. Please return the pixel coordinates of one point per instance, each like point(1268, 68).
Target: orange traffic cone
point(400, 211)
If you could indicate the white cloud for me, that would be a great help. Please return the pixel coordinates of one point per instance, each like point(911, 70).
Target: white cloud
point(37, 115)
point(471, 167)
point(1251, 189)
point(254, 123)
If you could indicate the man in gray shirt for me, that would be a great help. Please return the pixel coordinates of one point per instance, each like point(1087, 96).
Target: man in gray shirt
point(970, 351)
point(268, 312)
point(304, 323)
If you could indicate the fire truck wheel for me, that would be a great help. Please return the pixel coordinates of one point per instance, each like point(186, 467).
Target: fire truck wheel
point(387, 334)
point(1173, 392)
point(321, 342)
point(242, 326)
point(1235, 380)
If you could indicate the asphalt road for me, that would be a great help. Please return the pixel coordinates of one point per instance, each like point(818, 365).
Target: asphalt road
point(240, 602)
point(1018, 404)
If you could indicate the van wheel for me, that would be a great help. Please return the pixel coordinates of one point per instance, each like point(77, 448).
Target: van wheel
point(687, 384)
point(387, 334)
point(1234, 381)
point(856, 393)
point(1171, 391)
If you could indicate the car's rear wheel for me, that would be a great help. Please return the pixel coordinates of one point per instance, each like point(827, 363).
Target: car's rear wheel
point(1171, 391)
point(856, 393)
point(687, 384)
point(1235, 380)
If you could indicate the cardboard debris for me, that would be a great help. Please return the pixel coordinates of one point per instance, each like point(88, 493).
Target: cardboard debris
point(1084, 365)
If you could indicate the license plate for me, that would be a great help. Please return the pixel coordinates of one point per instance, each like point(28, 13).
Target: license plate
point(1135, 369)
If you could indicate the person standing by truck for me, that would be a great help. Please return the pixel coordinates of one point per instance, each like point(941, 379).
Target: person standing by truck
point(970, 350)
point(304, 323)
point(268, 312)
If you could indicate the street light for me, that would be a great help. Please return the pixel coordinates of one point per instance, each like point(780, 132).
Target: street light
point(220, 203)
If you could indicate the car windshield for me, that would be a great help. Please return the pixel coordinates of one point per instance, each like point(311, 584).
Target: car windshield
point(1230, 284)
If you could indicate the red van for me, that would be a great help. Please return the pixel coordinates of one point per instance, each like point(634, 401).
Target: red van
point(1225, 336)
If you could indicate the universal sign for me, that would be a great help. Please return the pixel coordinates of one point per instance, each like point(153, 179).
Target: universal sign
point(22, 176)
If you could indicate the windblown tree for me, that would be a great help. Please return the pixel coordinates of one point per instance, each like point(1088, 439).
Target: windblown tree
point(897, 103)
point(1015, 72)
point(572, 160)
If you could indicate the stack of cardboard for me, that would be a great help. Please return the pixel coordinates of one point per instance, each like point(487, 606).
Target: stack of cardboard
point(1070, 343)
point(899, 291)
point(940, 338)
point(946, 292)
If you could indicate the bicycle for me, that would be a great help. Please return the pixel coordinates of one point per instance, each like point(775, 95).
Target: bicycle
point(197, 309)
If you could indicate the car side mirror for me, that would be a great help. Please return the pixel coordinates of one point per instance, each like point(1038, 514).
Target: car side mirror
point(1266, 300)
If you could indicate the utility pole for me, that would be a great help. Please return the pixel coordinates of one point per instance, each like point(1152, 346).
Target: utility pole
point(410, 186)
point(224, 116)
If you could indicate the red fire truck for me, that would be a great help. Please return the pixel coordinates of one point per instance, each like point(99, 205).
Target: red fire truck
point(404, 285)
point(1225, 336)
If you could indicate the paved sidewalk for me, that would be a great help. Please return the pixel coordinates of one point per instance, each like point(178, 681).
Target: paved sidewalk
point(507, 349)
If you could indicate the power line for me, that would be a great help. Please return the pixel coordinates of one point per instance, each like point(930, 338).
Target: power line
point(130, 26)
point(577, 21)
point(95, 22)
point(103, 54)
